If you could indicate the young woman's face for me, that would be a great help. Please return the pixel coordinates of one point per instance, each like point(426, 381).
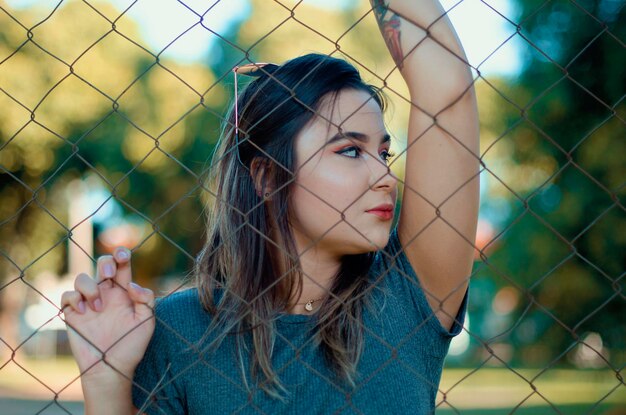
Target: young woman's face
point(343, 172)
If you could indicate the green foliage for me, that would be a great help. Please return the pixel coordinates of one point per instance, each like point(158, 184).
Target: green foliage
point(79, 99)
point(564, 134)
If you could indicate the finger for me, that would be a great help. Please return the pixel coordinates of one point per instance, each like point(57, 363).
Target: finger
point(124, 272)
point(106, 268)
point(143, 299)
point(74, 300)
point(88, 288)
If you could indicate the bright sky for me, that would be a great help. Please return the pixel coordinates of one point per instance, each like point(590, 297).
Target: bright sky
point(483, 29)
point(480, 28)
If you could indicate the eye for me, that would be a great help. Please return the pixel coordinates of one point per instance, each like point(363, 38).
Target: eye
point(354, 149)
point(386, 155)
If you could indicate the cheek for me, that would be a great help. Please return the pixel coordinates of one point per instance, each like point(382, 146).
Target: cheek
point(327, 191)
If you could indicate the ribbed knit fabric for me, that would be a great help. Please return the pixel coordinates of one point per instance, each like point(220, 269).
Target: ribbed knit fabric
point(399, 371)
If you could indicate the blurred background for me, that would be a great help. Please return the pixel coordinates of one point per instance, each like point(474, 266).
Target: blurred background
point(109, 112)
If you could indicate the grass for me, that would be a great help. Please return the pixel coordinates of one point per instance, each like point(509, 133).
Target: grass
point(602, 409)
point(530, 391)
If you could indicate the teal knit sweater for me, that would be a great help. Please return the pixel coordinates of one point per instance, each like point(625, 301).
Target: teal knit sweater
point(398, 373)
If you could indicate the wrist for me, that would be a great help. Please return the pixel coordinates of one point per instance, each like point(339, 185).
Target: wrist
point(108, 380)
point(107, 393)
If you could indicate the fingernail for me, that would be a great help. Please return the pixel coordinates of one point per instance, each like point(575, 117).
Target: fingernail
point(123, 254)
point(135, 286)
point(81, 307)
point(108, 270)
point(97, 304)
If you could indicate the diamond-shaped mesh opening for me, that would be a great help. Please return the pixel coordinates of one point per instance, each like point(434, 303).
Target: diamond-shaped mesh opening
point(602, 137)
point(30, 84)
point(68, 41)
point(118, 134)
point(546, 26)
point(110, 54)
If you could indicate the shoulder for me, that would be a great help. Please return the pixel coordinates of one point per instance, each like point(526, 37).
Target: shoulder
point(393, 274)
point(183, 300)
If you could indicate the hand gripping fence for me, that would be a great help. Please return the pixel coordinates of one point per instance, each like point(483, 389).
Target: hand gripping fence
point(105, 141)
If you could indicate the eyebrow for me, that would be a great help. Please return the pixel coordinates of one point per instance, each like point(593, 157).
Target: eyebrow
point(364, 138)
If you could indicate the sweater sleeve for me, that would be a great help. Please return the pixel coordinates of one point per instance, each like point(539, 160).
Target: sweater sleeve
point(407, 279)
point(154, 389)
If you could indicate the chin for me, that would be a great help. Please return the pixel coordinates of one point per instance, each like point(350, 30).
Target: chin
point(350, 242)
point(366, 241)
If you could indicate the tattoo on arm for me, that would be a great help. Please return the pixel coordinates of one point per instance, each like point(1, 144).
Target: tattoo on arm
point(390, 28)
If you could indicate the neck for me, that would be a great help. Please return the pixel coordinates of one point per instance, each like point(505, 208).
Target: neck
point(319, 271)
point(319, 268)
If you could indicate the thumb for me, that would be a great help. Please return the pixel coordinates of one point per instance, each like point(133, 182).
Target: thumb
point(143, 299)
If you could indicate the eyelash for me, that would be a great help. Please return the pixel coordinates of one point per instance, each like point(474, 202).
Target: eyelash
point(390, 154)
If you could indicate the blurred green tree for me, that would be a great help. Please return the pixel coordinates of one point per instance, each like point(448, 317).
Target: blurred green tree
point(80, 98)
point(558, 131)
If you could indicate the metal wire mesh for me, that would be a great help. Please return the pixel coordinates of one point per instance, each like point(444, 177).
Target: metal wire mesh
point(83, 96)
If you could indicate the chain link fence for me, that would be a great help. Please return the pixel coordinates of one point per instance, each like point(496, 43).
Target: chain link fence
point(105, 141)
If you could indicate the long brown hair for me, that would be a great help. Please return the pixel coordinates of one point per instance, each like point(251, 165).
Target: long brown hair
point(239, 258)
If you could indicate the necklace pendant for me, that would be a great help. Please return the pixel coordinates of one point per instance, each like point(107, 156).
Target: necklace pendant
point(309, 306)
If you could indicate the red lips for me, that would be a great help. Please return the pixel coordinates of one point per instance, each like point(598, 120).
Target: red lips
point(385, 207)
point(384, 211)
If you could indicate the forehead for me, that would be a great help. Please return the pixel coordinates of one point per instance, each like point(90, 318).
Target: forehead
point(353, 110)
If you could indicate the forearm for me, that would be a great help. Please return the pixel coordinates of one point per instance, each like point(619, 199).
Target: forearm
point(432, 63)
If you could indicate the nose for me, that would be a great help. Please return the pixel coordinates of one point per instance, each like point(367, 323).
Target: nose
point(381, 176)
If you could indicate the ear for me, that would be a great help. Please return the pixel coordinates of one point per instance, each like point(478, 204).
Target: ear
point(260, 170)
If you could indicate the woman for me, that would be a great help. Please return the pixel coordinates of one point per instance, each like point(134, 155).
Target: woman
point(306, 299)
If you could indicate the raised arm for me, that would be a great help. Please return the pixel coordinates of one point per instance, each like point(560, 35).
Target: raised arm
point(438, 220)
